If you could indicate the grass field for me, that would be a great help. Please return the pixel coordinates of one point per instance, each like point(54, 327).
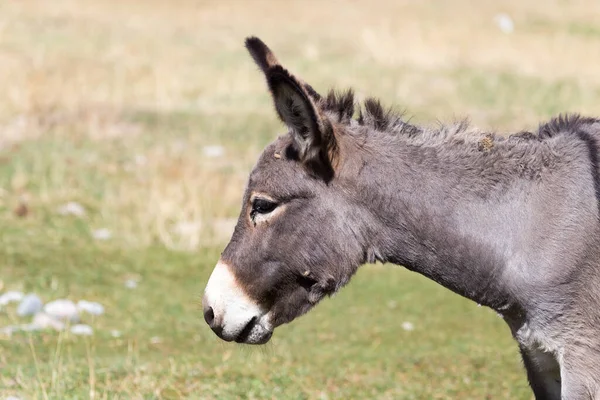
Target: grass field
point(112, 104)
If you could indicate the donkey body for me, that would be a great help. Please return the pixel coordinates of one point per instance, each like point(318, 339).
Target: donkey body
point(512, 223)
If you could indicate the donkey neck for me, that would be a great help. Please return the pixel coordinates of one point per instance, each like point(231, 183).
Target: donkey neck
point(441, 210)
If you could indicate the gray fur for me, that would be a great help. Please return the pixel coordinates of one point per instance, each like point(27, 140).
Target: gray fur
point(510, 223)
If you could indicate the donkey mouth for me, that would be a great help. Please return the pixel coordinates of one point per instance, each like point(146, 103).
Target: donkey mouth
point(254, 333)
point(244, 335)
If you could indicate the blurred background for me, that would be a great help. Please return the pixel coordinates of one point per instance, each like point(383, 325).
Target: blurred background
point(127, 132)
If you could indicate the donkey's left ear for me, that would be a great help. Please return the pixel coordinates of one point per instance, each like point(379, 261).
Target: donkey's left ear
point(295, 105)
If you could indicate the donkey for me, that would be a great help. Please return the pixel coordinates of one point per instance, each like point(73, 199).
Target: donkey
point(512, 223)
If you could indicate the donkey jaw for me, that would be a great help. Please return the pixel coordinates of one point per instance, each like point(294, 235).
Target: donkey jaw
point(231, 313)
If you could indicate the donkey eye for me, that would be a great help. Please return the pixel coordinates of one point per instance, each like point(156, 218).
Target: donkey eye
point(262, 206)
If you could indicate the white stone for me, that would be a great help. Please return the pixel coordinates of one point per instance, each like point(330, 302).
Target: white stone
point(82, 330)
point(504, 22)
point(42, 320)
point(102, 234)
point(408, 326)
point(10, 297)
point(30, 305)
point(72, 208)
point(62, 309)
point(213, 151)
point(131, 283)
point(115, 333)
point(90, 307)
point(9, 330)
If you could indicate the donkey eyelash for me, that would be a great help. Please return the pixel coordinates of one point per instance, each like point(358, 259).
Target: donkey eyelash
point(262, 206)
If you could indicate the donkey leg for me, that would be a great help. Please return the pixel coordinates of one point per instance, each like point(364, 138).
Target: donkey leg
point(542, 377)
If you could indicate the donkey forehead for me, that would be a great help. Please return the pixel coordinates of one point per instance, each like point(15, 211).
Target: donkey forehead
point(277, 170)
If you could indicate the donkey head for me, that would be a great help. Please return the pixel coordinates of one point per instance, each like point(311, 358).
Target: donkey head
point(298, 238)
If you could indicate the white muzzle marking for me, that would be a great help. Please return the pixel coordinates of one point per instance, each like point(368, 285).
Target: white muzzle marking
point(233, 309)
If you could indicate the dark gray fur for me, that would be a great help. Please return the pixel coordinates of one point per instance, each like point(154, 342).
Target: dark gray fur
point(510, 223)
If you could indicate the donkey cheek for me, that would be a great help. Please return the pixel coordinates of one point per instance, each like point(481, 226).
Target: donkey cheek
point(290, 309)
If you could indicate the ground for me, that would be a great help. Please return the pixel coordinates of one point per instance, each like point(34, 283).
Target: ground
point(150, 115)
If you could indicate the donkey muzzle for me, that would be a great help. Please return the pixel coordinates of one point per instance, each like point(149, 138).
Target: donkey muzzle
point(230, 312)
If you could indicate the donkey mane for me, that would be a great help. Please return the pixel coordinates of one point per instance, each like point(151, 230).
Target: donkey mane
point(375, 118)
point(563, 123)
point(373, 115)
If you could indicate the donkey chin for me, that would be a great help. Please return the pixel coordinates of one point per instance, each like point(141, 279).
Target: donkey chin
point(230, 313)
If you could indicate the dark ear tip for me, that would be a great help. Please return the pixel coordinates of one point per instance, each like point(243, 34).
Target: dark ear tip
point(260, 52)
point(253, 42)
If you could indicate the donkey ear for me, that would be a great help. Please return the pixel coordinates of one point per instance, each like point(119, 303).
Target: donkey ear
point(262, 55)
point(295, 105)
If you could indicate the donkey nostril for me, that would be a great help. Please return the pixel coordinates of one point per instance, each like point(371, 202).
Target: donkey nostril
point(209, 316)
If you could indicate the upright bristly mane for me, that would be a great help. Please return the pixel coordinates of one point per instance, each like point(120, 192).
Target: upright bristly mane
point(563, 123)
point(341, 105)
point(371, 113)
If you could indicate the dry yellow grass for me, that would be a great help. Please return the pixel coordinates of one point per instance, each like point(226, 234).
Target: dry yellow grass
point(70, 55)
point(77, 71)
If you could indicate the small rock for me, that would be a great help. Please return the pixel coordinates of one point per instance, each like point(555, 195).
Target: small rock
point(30, 305)
point(42, 320)
point(115, 333)
point(131, 283)
point(63, 310)
point(22, 210)
point(90, 307)
point(82, 330)
point(10, 297)
point(155, 340)
point(213, 151)
point(505, 23)
point(72, 208)
point(9, 330)
point(101, 234)
point(408, 326)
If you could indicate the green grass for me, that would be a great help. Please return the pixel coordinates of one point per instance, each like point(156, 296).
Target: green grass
point(111, 106)
point(351, 346)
